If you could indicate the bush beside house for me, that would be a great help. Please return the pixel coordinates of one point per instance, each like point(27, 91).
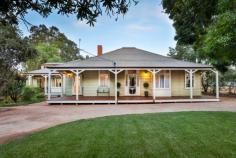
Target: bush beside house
point(24, 95)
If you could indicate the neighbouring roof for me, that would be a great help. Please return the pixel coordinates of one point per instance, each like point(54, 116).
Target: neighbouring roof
point(44, 70)
point(130, 57)
point(40, 72)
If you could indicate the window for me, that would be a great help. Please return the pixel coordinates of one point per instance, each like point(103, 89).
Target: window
point(56, 82)
point(163, 79)
point(187, 80)
point(104, 79)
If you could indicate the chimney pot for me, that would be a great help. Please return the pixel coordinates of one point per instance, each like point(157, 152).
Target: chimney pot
point(99, 49)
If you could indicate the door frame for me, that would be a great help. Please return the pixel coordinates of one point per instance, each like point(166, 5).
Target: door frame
point(127, 83)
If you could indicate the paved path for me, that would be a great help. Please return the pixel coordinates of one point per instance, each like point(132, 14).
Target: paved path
point(19, 121)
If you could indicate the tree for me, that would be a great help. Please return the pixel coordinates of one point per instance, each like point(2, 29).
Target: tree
point(230, 79)
point(190, 17)
point(208, 80)
point(68, 50)
point(13, 51)
point(219, 42)
point(52, 45)
point(14, 10)
point(183, 52)
point(46, 53)
point(208, 25)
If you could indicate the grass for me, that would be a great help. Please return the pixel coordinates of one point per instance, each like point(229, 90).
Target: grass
point(185, 134)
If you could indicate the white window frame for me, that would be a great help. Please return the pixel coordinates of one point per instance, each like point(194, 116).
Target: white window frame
point(159, 81)
point(99, 80)
point(185, 80)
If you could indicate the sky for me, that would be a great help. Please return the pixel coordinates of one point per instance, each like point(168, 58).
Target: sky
point(145, 26)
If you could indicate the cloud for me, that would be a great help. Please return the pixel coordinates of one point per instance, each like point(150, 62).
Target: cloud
point(140, 27)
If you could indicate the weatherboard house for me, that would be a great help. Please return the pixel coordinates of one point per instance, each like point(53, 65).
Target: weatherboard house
point(125, 75)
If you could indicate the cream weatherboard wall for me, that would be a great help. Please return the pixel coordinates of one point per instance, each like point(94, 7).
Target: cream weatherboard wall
point(90, 83)
point(178, 84)
point(69, 85)
point(145, 76)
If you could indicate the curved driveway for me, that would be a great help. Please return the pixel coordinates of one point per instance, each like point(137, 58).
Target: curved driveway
point(19, 121)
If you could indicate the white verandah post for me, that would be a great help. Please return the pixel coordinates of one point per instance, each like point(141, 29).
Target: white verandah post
point(49, 85)
point(217, 84)
point(154, 73)
point(116, 72)
point(30, 80)
point(77, 84)
point(45, 85)
point(154, 85)
point(62, 85)
point(116, 100)
point(191, 83)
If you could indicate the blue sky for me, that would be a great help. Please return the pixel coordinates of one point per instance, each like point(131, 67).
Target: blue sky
point(145, 26)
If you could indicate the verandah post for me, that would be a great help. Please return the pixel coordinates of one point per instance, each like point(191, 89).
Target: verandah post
point(154, 85)
point(116, 86)
point(77, 84)
point(62, 85)
point(49, 85)
point(191, 83)
point(30, 80)
point(154, 73)
point(45, 85)
point(217, 84)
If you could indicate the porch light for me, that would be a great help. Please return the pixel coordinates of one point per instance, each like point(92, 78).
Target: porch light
point(69, 74)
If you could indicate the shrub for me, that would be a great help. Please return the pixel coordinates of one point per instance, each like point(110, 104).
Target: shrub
point(32, 94)
point(145, 85)
point(118, 84)
point(13, 88)
point(6, 100)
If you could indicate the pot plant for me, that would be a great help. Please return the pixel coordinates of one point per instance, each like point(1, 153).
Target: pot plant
point(146, 85)
point(118, 87)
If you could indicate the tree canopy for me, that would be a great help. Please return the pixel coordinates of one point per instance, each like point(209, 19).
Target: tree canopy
point(219, 43)
point(183, 52)
point(190, 17)
point(14, 49)
point(67, 49)
point(46, 53)
point(207, 25)
point(12, 11)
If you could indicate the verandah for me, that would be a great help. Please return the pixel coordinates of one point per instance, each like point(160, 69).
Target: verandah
point(115, 99)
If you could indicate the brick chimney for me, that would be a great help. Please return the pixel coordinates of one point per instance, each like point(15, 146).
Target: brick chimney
point(99, 49)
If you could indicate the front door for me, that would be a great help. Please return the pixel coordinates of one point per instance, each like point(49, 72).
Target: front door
point(132, 83)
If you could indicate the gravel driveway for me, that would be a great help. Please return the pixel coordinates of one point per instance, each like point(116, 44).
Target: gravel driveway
point(18, 121)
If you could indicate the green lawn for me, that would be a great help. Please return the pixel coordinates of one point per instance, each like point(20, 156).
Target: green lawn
point(185, 134)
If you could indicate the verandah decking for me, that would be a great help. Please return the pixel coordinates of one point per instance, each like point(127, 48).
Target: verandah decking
point(127, 99)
